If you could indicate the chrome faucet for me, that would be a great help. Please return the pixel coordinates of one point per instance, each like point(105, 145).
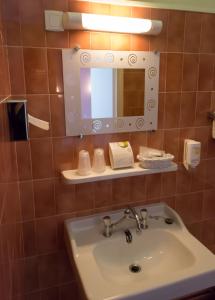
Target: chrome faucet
point(129, 213)
point(132, 211)
point(128, 236)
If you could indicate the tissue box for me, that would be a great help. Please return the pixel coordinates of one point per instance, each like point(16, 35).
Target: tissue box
point(121, 155)
point(155, 159)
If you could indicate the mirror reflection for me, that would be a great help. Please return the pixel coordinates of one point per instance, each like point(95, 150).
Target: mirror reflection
point(111, 93)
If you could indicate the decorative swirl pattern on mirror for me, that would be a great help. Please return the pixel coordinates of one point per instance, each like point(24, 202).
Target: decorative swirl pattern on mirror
point(132, 59)
point(97, 125)
point(152, 72)
point(85, 58)
point(139, 123)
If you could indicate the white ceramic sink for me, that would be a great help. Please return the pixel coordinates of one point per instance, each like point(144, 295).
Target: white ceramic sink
point(173, 263)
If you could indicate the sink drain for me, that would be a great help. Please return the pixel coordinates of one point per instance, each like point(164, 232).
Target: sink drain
point(134, 268)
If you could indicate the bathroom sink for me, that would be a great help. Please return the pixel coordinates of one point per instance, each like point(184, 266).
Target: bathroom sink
point(163, 261)
point(160, 253)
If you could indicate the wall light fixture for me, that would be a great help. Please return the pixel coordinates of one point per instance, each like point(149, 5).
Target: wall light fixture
point(60, 21)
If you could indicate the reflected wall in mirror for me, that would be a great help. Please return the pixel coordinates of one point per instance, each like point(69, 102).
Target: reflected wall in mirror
point(110, 91)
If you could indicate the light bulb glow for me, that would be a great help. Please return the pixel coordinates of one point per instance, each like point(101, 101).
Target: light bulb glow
point(115, 24)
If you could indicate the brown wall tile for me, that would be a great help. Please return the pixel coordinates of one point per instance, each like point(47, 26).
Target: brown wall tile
point(190, 207)
point(16, 68)
point(24, 160)
point(188, 108)
point(103, 193)
point(48, 270)
point(176, 31)
point(55, 71)
point(138, 191)
point(44, 198)
point(46, 235)
point(100, 41)
point(206, 72)
point(193, 24)
point(120, 41)
point(85, 197)
point(27, 200)
point(32, 23)
point(153, 186)
point(121, 191)
point(36, 74)
point(12, 209)
point(159, 42)
point(174, 72)
point(190, 72)
point(207, 42)
point(208, 205)
point(11, 18)
point(56, 4)
point(203, 104)
point(29, 238)
point(81, 38)
point(172, 110)
point(57, 115)
point(168, 184)
point(64, 151)
point(42, 162)
point(65, 197)
point(171, 142)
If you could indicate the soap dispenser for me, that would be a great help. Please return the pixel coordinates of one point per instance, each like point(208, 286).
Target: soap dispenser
point(192, 153)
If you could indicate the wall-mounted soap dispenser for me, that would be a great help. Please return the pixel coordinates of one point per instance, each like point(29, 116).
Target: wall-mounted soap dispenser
point(192, 153)
point(19, 119)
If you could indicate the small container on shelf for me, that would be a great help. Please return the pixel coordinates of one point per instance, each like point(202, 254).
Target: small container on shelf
point(154, 159)
point(84, 165)
point(99, 164)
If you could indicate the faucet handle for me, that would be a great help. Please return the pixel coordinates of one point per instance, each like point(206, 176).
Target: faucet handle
point(108, 226)
point(144, 213)
point(144, 217)
point(107, 220)
point(127, 213)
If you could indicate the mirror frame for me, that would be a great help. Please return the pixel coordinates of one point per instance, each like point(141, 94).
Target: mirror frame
point(74, 60)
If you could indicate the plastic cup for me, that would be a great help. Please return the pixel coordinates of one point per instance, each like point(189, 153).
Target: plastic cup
point(99, 164)
point(84, 165)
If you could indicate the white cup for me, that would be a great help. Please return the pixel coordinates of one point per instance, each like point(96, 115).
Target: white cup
point(99, 164)
point(84, 165)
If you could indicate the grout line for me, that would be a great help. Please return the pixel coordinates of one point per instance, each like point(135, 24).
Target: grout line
point(58, 48)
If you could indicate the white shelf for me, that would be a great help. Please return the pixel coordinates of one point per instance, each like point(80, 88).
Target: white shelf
point(72, 177)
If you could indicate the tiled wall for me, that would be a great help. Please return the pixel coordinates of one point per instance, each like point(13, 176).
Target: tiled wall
point(38, 202)
point(9, 231)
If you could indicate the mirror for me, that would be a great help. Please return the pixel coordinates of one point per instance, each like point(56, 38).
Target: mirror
point(106, 92)
point(109, 93)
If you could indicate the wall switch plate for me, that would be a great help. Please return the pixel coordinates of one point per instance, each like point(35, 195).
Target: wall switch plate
point(54, 20)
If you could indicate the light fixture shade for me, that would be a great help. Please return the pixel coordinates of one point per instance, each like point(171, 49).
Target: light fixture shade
point(82, 21)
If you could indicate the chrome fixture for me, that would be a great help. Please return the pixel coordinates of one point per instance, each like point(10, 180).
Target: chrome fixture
point(128, 236)
point(144, 218)
point(168, 221)
point(108, 226)
point(129, 214)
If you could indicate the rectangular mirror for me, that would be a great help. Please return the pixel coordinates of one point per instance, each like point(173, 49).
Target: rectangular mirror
point(110, 91)
point(116, 87)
